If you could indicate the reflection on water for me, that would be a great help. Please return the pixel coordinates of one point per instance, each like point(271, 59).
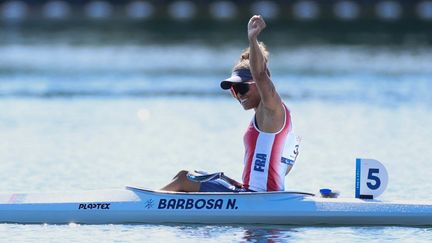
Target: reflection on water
point(213, 233)
point(268, 234)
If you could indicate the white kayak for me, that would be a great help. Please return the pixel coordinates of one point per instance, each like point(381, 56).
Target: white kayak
point(135, 205)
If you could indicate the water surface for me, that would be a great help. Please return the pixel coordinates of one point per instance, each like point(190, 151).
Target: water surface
point(105, 115)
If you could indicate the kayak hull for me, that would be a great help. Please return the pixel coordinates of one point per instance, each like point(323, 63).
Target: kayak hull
point(134, 205)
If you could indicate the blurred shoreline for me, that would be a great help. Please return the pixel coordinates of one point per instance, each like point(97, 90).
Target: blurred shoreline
point(217, 33)
point(378, 22)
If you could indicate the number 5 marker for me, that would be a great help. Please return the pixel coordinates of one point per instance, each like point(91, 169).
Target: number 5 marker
point(371, 178)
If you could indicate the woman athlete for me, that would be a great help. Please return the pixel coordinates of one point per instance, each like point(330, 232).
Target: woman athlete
point(271, 146)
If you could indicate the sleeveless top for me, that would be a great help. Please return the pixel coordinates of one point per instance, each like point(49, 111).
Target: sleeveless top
point(268, 155)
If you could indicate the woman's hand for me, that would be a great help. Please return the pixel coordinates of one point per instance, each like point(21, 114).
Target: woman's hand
point(232, 182)
point(255, 26)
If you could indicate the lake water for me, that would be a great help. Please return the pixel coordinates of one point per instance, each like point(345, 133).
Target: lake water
point(79, 116)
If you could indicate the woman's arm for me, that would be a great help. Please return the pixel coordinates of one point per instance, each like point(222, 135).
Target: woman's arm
point(258, 66)
point(232, 181)
point(270, 112)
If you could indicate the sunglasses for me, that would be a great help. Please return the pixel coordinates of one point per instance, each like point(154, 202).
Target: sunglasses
point(240, 88)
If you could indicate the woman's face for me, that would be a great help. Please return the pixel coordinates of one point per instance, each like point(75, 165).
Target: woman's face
point(250, 99)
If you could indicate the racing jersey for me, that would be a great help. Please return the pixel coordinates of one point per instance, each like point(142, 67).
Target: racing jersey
point(268, 155)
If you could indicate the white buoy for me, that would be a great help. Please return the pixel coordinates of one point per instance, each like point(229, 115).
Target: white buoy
point(139, 10)
point(306, 10)
point(14, 10)
point(223, 10)
point(388, 10)
point(346, 10)
point(424, 10)
point(267, 9)
point(98, 9)
point(182, 10)
point(56, 10)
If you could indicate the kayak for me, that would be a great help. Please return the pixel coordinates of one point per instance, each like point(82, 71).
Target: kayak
point(135, 205)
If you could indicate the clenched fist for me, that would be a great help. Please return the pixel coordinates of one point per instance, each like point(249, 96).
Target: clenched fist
point(255, 26)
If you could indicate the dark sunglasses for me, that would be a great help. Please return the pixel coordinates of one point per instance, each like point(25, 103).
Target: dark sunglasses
point(241, 88)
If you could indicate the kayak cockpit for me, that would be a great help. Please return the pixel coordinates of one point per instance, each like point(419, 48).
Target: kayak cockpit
point(139, 189)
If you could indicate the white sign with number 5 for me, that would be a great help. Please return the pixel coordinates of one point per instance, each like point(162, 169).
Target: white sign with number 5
point(371, 178)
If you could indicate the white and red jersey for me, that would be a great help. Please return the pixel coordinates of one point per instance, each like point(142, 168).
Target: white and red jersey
point(268, 156)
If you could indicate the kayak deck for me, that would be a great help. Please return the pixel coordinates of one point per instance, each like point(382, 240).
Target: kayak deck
point(136, 205)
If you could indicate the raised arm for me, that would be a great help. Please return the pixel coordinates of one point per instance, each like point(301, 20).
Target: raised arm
point(258, 67)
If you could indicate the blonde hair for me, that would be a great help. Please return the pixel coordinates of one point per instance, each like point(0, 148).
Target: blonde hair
point(243, 62)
